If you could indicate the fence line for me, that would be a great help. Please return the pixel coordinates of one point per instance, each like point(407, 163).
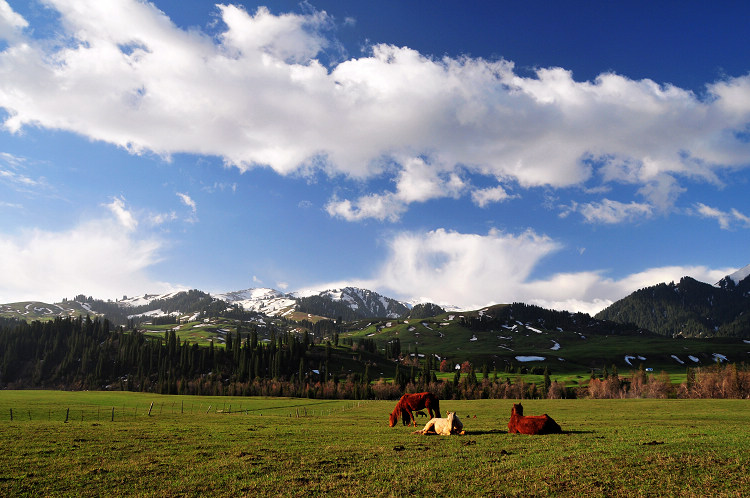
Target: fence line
point(155, 409)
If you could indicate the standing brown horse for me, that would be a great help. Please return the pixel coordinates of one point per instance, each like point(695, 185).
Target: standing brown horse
point(532, 424)
point(411, 402)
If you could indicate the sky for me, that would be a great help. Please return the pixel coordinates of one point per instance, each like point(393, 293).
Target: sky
point(563, 154)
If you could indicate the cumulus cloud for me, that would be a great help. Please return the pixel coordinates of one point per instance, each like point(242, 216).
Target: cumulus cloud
point(11, 23)
point(418, 181)
point(256, 94)
point(472, 270)
point(483, 197)
point(96, 257)
point(448, 267)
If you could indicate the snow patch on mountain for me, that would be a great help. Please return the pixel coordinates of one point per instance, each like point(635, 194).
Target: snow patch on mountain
point(260, 299)
point(739, 275)
point(146, 299)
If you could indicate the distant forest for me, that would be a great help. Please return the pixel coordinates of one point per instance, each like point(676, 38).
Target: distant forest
point(689, 309)
point(81, 353)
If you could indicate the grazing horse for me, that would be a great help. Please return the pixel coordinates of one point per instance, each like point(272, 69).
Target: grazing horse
point(444, 426)
point(532, 424)
point(410, 402)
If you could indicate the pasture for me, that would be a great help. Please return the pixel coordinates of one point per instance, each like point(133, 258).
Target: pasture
point(300, 447)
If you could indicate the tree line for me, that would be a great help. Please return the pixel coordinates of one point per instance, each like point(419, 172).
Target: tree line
point(84, 353)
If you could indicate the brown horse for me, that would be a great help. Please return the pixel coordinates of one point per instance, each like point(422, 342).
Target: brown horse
point(532, 424)
point(410, 402)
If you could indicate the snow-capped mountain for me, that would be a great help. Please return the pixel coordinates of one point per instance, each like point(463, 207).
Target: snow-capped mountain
point(347, 303)
point(737, 276)
point(351, 303)
point(146, 299)
point(263, 300)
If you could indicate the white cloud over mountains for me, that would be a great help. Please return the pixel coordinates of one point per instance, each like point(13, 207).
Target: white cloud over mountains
point(472, 271)
point(102, 257)
point(250, 91)
point(254, 94)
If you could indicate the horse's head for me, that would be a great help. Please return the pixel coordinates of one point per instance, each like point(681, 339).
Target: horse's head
point(517, 410)
point(393, 418)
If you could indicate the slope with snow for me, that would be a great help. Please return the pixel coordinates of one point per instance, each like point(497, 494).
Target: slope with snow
point(260, 299)
point(740, 274)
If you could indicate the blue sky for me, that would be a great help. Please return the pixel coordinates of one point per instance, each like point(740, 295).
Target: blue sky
point(557, 153)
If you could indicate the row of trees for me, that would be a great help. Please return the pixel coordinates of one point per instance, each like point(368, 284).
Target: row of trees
point(81, 353)
point(718, 381)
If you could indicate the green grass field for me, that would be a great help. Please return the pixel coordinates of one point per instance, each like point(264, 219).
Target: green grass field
point(300, 447)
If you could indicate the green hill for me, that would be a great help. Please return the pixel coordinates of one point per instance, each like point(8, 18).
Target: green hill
point(689, 309)
point(519, 337)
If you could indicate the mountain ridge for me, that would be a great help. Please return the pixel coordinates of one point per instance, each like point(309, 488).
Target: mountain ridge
point(689, 308)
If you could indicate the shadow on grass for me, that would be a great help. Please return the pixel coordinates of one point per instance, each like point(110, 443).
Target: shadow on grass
point(500, 431)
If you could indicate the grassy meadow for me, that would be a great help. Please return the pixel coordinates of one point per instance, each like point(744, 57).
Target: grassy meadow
point(299, 447)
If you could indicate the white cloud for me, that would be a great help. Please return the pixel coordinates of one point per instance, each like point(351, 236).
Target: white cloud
point(123, 215)
point(188, 201)
point(483, 197)
point(418, 181)
point(254, 94)
point(156, 219)
point(471, 271)
point(11, 23)
point(464, 269)
point(726, 219)
point(96, 257)
point(12, 173)
point(609, 211)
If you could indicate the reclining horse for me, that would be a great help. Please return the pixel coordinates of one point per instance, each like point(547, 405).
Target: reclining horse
point(531, 424)
point(411, 402)
point(444, 426)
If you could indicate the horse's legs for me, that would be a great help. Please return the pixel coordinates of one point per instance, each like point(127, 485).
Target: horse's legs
point(413, 418)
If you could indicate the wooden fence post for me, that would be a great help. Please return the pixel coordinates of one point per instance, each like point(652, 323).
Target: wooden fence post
point(113, 414)
point(150, 408)
point(11, 414)
point(67, 414)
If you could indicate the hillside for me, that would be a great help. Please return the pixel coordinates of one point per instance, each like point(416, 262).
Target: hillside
point(689, 308)
point(351, 303)
point(521, 337)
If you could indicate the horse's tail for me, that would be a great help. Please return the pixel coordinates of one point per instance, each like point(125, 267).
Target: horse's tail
point(437, 407)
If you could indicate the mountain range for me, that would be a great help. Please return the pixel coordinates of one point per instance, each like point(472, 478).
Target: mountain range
point(689, 308)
